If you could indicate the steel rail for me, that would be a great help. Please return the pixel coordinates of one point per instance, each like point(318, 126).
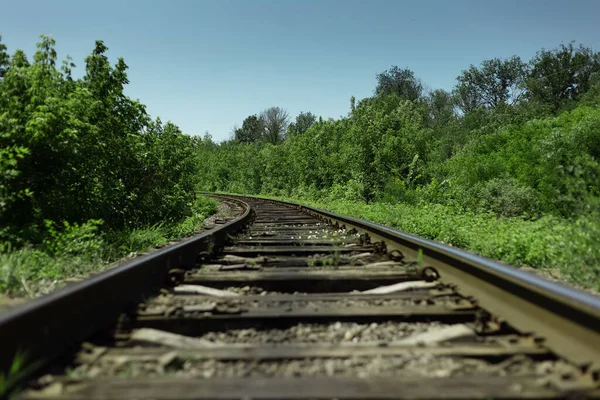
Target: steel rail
point(566, 320)
point(42, 329)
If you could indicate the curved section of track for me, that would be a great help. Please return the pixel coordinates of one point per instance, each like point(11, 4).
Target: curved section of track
point(306, 304)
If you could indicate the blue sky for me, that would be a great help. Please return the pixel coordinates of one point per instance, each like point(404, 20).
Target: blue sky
point(206, 65)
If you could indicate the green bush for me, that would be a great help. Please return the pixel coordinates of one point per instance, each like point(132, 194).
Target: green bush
point(396, 190)
point(506, 197)
point(74, 239)
point(508, 162)
point(86, 175)
point(76, 150)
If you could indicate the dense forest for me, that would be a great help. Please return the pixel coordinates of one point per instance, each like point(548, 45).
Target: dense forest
point(506, 164)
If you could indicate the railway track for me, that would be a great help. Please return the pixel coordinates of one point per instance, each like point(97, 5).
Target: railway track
point(303, 304)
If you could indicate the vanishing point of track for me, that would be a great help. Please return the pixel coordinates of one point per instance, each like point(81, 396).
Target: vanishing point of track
point(290, 302)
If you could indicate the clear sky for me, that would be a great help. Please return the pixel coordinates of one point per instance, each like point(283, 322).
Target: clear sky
point(206, 65)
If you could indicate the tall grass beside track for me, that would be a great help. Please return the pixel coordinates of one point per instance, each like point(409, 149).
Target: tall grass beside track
point(78, 250)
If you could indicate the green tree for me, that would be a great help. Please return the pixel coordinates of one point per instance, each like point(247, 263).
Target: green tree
point(440, 108)
point(302, 123)
point(559, 77)
point(275, 120)
point(4, 58)
point(592, 96)
point(387, 133)
point(466, 98)
point(495, 82)
point(251, 131)
point(401, 82)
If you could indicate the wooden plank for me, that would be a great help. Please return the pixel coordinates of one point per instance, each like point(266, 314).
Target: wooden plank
point(243, 351)
point(293, 242)
point(292, 235)
point(239, 267)
point(292, 225)
point(286, 316)
point(293, 250)
point(289, 311)
point(301, 262)
point(309, 274)
point(282, 228)
point(286, 218)
point(303, 280)
point(342, 388)
point(413, 295)
point(288, 221)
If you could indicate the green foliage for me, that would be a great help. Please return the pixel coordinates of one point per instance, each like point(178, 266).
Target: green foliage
point(399, 81)
point(496, 82)
point(506, 197)
point(73, 239)
point(9, 380)
point(79, 150)
point(592, 96)
point(4, 58)
point(85, 174)
point(79, 249)
point(275, 121)
point(544, 165)
point(251, 131)
point(9, 172)
point(302, 123)
point(440, 109)
point(561, 76)
point(385, 151)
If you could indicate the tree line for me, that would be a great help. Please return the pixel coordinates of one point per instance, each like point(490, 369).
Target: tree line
point(272, 126)
point(514, 138)
point(554, 80)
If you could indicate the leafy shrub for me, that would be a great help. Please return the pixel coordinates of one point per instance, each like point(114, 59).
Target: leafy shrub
point(85, 174)
point(73, 239)
point(397, 190)
point(130, 241)
point(549, 165)
point(435, 192)
point(509, 160)
point(82, 150)
point(507, 198)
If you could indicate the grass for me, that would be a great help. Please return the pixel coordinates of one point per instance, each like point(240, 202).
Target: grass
point(565, 249)
point(77, 250)
point(8, 380)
